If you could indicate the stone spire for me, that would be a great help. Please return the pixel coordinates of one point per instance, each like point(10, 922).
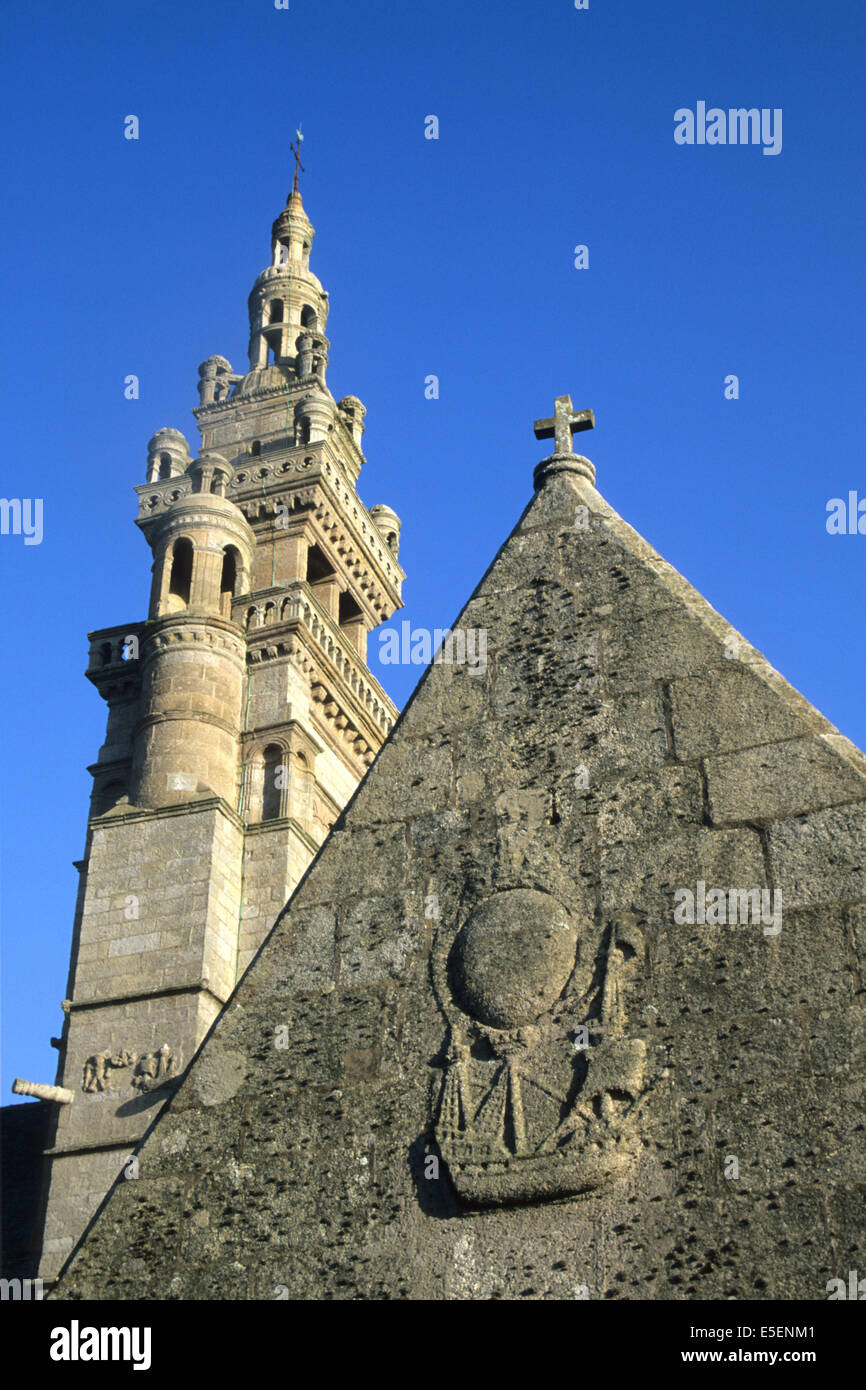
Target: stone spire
point(288, 306)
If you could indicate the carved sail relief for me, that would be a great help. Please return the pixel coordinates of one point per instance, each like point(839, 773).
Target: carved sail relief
point(525, 1112)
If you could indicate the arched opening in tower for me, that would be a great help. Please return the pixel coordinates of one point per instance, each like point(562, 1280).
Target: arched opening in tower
point(274, 780)
point(228, 580)
point(181, 573)
point(351, 620)
point(350, 610)
point(273, 336)
point(318, 567)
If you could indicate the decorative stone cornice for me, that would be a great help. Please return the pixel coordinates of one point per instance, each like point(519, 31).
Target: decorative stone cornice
point(184, 717)
point(298, 612)
point(343, 733)
point(345, 529)
point(190, 627)
point(562, 463)
point(352, 710)
point(282, 824)
point(157, 497)
point(181, 808)
point(290, 732)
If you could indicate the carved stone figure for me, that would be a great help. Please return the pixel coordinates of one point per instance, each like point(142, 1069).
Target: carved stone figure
point(150, 1070)
point(97, 1067)
point(154, 1069)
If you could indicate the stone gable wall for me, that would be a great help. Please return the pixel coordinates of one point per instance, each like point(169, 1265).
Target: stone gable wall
point(622, 746)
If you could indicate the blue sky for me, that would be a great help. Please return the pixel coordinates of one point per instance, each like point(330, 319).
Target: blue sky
point(451, 257)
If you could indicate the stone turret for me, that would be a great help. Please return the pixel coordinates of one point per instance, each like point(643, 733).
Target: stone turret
point(388, 524)
point(288, 307)
point(187, 741)
point(215, 380)
point(167, 455)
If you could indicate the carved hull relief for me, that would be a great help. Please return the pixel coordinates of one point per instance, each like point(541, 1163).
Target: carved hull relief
point(106, 1071)
point(542, 1091)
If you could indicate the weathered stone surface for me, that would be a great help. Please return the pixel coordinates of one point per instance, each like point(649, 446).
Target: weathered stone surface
point(666, 799)
point(421, 766)
point(734, 970)
point(677, 858)
point(821, 857)
point(729, 709)
point(780, 779)
point(478, 1056)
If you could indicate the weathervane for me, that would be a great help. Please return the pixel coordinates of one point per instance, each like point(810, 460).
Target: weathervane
point(296, 151)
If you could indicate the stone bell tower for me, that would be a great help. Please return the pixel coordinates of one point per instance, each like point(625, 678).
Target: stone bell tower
point(242, 716)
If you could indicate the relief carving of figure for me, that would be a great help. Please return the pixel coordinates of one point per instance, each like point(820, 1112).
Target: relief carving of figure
point(154, 1069)
point(148, 1071)
point(97, 1067)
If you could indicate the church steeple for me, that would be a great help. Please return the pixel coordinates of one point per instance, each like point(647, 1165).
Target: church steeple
point(242, 718)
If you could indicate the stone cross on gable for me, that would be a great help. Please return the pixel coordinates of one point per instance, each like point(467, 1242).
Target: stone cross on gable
point(566, 422)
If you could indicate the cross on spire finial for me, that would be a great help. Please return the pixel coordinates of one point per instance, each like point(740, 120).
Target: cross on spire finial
point(296, 151)
point(566, 422)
